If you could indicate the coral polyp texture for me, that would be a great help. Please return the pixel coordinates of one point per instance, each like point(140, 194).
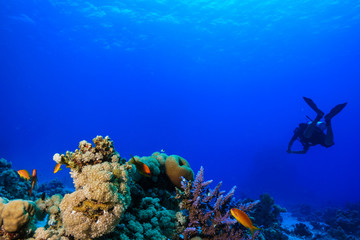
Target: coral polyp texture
point(87, 154)
point(112, 200)
point(101, 190)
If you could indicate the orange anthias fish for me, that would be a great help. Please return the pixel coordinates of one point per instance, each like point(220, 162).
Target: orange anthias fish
point(57, 168)
point(140, 166)
point(24, 174)
point(244, 219)
point(33, 181)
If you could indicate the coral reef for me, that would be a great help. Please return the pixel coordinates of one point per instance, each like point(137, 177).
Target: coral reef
point(207, 211)
point(266, 212)
point(11, 185)
point(267, 215)
point(51, 188)
point(331, 222)
point(113, 201)
point(153, 208)
point(302, 230)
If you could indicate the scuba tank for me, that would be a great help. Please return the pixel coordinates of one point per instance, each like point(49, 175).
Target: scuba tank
point(319, 125)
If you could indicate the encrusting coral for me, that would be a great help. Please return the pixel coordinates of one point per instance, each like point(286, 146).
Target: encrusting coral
point(177, 167)
point(207, 211)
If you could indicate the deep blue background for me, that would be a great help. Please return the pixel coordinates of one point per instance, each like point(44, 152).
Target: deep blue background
point(218, 82)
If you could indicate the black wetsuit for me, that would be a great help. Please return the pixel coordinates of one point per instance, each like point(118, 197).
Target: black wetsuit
point(317, 137)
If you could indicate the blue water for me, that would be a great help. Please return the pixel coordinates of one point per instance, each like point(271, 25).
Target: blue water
point(219, 83)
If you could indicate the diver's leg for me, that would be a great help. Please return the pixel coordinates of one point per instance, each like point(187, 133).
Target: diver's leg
point(329, 138)
point(310, 128)
point(334, 111)
point(312, 105)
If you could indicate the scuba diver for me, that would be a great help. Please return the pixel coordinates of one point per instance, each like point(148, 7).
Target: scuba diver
point(313, 133)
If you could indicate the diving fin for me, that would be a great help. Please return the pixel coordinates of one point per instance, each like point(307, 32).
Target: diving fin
point(334, 111)
point(313, 105)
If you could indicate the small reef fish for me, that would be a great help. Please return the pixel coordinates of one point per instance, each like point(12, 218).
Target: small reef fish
point(57, 168)
point(140, 166)
point(43, 195)
point(24, 174)
point(244, 220)
point(162, 150)
point(33, 181)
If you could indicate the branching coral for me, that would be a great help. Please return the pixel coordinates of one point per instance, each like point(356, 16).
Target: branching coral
point(208, 210)
point(87, 154)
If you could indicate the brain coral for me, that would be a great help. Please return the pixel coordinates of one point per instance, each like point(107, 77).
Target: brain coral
point(177, 167)
point(100, 199)
point(16, 218)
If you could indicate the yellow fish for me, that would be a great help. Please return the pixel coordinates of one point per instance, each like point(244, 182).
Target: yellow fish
point(57, 168)
point(244, 219)
point(24, 174)
point(141, 167)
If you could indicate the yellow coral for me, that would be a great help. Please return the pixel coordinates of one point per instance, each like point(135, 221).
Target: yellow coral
point(103, 151)
point(101, 197)
point(16, 214)
point(177, 167)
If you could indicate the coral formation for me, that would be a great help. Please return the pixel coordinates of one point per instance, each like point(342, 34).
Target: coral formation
point(149, 220)
point(177, 167)
point(87, 154)
point(102, 194)
point(267, 214)
point(302, 230)
point(51, 188)
point(11, 185)
point(207, 211)
point(15, 218)
point(331, 222)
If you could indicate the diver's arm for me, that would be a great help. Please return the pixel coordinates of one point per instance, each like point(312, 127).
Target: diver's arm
point(305, 149)
point(292, 140)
